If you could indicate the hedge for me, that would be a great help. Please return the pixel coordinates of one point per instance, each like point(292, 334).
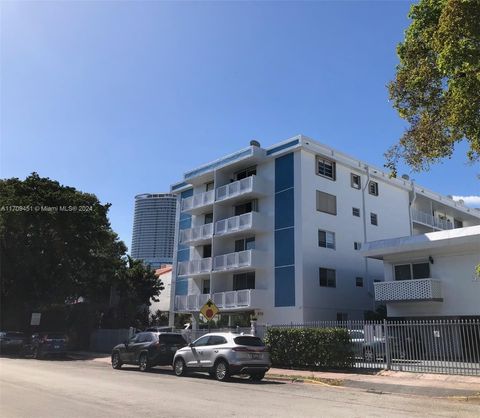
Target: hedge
point(309, 348)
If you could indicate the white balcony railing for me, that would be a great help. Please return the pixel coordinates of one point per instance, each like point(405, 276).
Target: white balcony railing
point(247, 298)
point(408, 290)
point(198, 200)
point(428, 219)
point(195, 267)
point(233, 261)
point(240, 187)
point(198, 233)
point(238, 223)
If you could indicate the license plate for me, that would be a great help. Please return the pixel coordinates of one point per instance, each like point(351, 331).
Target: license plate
point(255, 356)
point(57, 347)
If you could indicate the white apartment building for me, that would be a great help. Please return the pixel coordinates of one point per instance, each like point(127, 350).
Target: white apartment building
point(276, 232)
point(430, 275)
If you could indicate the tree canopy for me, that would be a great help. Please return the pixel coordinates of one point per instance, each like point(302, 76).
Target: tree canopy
point(57, 245)
point(437, 84)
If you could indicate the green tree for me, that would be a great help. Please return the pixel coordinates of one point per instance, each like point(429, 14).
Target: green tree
point(56, 245)
point(437, 84)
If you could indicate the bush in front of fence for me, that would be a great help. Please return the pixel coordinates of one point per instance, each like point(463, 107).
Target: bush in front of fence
point(309, 348)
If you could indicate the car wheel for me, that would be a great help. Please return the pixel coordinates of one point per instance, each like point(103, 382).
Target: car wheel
point(368, 354)
point(221, 370)
point(256, 377)
point(179, 367)
point(143, 362)
point(116, 363)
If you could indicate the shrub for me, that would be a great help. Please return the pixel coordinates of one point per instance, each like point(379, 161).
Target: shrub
point(309, 348)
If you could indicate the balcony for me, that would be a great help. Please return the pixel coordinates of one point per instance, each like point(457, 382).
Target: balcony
point(198, 235)
point(226, 301)
point(252, 221)
point(199, 267)
point(198, 203)
point(430, 220)
point(416, 290)
point(236, 261)
point(248, 187)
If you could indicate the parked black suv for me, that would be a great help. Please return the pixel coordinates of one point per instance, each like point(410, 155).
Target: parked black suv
point(148, 349)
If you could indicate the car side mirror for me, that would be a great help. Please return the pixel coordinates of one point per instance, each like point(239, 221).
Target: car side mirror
point(191, 345)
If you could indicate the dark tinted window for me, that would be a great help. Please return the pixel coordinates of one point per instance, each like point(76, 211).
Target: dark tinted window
point(171, 339)
point(402, 272)
point(216, 340)
point(421, 271)
point(250, 341)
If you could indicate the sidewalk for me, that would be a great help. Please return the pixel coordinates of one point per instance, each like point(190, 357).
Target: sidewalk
point(385, 381)
point(419, 384)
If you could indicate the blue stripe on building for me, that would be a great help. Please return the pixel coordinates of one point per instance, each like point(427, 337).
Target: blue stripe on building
point(284, 231)
point(183, 251)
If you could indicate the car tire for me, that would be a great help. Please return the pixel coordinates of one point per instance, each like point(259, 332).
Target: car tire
point(116, 362)
point(221, 370)
point(143, 362)
point(368, 355)
point(256, 377)
point(179, 367)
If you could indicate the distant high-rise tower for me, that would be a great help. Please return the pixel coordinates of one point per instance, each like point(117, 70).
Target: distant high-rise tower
point(154, 228)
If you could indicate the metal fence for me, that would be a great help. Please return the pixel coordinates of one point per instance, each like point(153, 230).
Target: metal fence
point(435, 346)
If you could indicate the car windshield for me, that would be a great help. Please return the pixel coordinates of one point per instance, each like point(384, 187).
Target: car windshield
point(250, 341)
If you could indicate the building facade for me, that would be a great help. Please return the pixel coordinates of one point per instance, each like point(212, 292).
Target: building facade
point(154, 228)
point(431, 275)
point(276, 232)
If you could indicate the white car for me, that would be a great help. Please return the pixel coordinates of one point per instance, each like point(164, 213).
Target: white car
point(223, 355)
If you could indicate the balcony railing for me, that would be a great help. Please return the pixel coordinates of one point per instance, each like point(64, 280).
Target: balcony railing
point(198, 233)
point(428, 219)
point(250, 184)
point(234, 261)
point(195, 267)
point(239, 223)
point(247, 298)
point(408, 290)
point(198, 201)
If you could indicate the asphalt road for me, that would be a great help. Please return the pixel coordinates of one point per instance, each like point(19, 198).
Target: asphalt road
point(84, 388)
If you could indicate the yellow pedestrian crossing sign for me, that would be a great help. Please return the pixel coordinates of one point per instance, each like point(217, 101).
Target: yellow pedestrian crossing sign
point(209, 310)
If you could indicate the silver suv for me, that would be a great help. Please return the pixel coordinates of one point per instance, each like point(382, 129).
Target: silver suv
point(223, 355)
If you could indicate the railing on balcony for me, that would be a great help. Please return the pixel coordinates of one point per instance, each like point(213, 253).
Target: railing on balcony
point(236, 223)
point(198, 200)
point(197, 233)
point(224, 300)
point(194, 267)
point(246, 185)
point(428, 219)
point(233, 261)
point(408, 290)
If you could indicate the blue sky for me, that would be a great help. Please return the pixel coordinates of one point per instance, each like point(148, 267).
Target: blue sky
point(121, 98)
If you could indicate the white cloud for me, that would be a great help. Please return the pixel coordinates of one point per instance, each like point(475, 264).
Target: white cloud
point(473, 201)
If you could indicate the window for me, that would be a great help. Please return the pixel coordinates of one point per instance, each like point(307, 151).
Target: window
point(412, 271)
point(356, 212)
point(355, 181)
point(359, 281)
point(373, 218)
point(216, 340)
point(247, 172)
point(327, 277)
point(342, 316)
point(246, 207)
point(206, 286)
point(373, 188)
point(326, 168)
point(326, 239)
point(357, 245)
point(209, 186)
point(249, 341)
point(457, 223)
point(208, 218)
point(201, 341)
point(326, 203)
point(245, 244)
point(207, 250)
point(244, 281)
